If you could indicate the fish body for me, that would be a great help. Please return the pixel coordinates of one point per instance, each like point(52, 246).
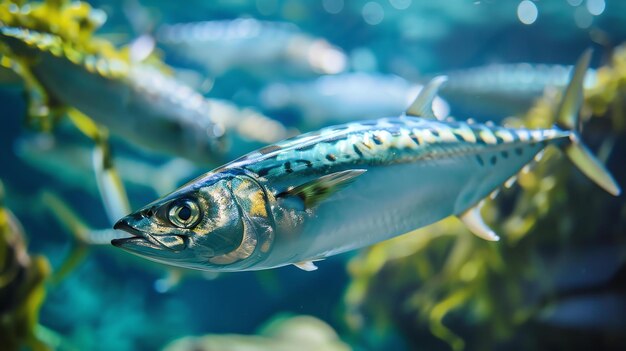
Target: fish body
point(414, 172)
point(138, 102)
point(504, 89)
point(346, 187)
point(261, 47)
point(410, 164)
point(341, 98)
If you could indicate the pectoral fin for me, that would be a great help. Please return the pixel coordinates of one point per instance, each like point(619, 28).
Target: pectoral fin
point(306, 266)
point(423, 104)
point(308, 195)
point(474, 222)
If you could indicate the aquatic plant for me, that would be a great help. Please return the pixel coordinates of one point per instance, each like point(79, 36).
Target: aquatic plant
point(22, 288)
point(71, 20)
point(72, 75)
point(71, 26)
point(469, 292)
point(609, 95)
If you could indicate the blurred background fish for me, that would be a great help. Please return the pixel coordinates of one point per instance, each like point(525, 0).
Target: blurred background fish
point(502, 90)
point(342, 98)
point(264, 48)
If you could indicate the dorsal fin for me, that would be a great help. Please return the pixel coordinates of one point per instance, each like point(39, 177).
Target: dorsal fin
point(422, 106)
point(309, 194)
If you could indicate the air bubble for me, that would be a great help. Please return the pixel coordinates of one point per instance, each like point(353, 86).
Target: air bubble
point(527, 12)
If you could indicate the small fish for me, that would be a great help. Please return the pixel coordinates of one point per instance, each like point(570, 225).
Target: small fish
point(260, 47)
point(72, 163)
point(138, 102)
point(341, 98)
point(501, 90)
point(346, 187)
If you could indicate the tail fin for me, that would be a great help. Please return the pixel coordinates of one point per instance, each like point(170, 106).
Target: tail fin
point(568, 118)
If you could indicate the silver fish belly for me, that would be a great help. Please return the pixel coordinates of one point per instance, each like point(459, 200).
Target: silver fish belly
point(418, 171)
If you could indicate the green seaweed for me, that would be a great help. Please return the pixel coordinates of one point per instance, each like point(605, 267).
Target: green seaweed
point(22, 286)
point(62, 28)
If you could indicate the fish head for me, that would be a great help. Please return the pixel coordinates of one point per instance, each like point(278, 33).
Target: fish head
point(218, 222)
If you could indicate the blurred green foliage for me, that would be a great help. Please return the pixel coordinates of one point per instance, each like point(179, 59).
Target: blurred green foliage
point(22, 286)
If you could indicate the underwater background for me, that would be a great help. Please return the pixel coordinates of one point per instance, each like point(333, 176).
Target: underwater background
point(556, 280)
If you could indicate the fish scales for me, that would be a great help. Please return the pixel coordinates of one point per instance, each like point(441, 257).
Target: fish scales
point(411, 163)
point(389, 141)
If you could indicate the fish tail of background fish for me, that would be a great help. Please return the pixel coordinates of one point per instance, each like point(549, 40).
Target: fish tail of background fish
point(568, 118)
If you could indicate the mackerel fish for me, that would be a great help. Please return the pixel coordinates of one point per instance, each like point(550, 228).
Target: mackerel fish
point(347, 187)
point(137, 101)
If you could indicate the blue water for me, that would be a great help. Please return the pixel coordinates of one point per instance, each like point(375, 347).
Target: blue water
point(109, 302)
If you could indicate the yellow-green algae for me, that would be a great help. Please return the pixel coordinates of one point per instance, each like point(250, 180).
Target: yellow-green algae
point(73, 22)
point(22, 286)
point(64, 29)
point(442, 272)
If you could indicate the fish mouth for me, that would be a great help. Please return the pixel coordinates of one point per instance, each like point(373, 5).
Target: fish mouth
point(141, 241)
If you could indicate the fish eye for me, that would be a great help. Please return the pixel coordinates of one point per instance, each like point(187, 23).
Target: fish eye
point(184, 213)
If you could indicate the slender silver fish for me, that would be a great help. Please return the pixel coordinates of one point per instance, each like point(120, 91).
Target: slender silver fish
point(505, 89)
point(138, 102)
point(72, 163)
point(342, 98)
point(347, 187)
point(263, 48)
